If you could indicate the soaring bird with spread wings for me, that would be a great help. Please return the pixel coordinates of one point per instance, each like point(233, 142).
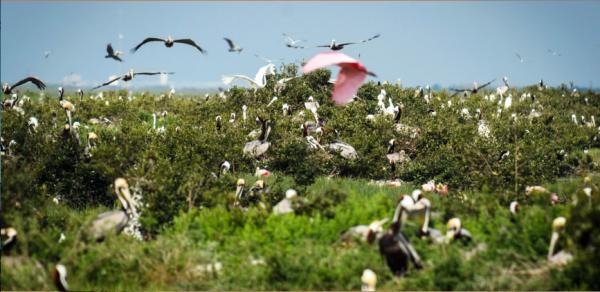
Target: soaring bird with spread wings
point(7, 89)
point(169, 43)
point(472, 90)
point(111, 53)
point(128, 76)
point(336, 46)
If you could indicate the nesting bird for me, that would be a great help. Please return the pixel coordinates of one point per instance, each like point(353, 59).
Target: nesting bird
point(563, 257)
point(115, 221)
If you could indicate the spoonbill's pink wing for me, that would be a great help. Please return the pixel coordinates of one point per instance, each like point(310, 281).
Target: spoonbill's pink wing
point(348, 81)
point(326, 59)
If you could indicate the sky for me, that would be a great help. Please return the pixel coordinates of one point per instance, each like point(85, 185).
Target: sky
point(446, 43)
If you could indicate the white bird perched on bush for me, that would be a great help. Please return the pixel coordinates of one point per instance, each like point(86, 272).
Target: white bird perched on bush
point(285, 206)
point(224, 167)
point(508, 102)
point(274, 99)
point(504, 88)
point(232, 118)
point(259, 81)
point(514, 207)
point(311, 104)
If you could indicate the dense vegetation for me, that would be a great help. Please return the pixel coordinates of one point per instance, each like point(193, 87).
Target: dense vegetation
point(189, 219)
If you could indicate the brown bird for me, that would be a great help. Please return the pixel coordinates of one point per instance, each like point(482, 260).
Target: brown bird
point(169, 43)
point(111, 53)
point(129, 75)
point(7, 89)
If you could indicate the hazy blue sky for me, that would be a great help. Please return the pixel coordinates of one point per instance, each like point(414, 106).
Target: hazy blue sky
point(421, 43)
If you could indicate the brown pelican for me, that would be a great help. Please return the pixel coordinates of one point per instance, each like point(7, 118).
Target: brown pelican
point(111, 53)
point(11, 239)
point(60, 277)
point(472, 90)
point(312, 142)
point(369, 280)
point(168, 43)
point(346, 150)
point(240, 192)
point(561, 258)
point(218, 122)
point(366, 233)
point(455, 230)
point(232, 47)
point(7, 89)
point(66, 105)
point(256, 148)
point(128, 76)
point(395, 157)
point(396, 248)
point(336, 46)
point(115, 221)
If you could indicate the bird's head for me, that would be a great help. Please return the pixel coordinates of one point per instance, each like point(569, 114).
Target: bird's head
point(559, 224)
point(241, 182)
point(122, 191)
point(5, 87)
point(61, 92)
point(218, 118)
point(369, 280)
point(391, 144)
point(225, 166)
point(259, 184)
point(9, 232)
point(290, 194)
point(514, 207)
point(453, 228)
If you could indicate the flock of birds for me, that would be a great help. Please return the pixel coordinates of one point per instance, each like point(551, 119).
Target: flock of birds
point(394, 245)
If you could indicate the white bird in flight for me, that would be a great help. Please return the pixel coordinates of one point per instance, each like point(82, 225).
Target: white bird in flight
point(259, 81)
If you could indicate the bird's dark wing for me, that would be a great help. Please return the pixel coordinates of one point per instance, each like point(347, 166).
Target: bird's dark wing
point(109, 50)
point(457, 90)
point(191, 43)
point(296, 47)
point(486, 84)
point(108, 82)
point(116, 58)
point(230, 43)
point(40, 85)
point(363, 41)
point(146, 41)
point(152, 73)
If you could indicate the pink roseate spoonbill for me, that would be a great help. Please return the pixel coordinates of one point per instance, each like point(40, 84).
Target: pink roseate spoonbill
point(261, 172)
point(7, 89)
point(169, 42)
point(351, 75)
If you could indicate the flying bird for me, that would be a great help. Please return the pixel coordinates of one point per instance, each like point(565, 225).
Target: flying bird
point(233, 47)
point(291, 42)
point(7, 89)
point(474, 89)
point(169, 43)
point(111, 53)
point(259, 81)
point(128, 76)
point(519, 57)
point(554, 53)
point(337, 46)
point(349, 79)
point(47, 54)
